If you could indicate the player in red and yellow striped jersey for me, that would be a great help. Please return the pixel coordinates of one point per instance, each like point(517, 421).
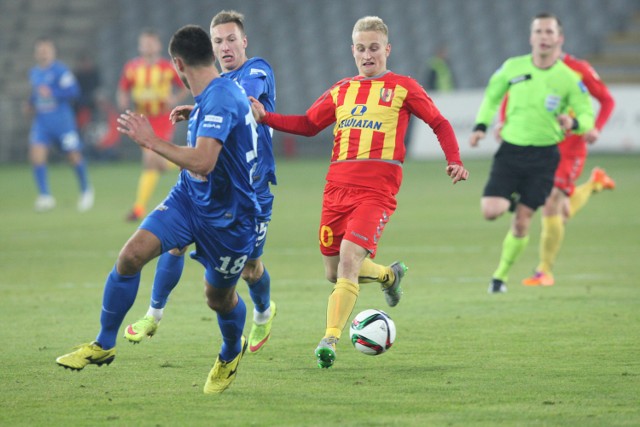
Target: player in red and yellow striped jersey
point(370, 113)
point(149, 85)
point(566, 199)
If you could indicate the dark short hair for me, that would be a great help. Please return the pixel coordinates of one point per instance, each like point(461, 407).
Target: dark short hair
point(192, 44)
point(547, 15)
point(44, 38)
point(149, 31)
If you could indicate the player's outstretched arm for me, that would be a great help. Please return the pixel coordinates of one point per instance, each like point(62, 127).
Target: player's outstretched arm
point(257, 109)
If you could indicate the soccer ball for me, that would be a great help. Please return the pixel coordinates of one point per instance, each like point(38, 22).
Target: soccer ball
point(372, 332)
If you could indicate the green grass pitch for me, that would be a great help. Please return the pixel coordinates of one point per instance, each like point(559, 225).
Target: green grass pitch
point(566, 355)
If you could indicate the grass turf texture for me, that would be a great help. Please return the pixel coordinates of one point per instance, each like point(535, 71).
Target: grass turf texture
point(564, 355)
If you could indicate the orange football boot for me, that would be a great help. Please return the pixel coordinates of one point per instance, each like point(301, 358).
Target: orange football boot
point(601, 181)
point(539, 279)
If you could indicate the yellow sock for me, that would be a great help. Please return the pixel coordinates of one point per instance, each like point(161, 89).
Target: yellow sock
point(550, 241)
point(372, 272)
point(341, 303)
point(580, 197)
point(146, 186)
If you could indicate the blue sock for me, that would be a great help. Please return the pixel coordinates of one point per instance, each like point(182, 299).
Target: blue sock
point(81, 172)
point(119, 295)
point(260, 292)
point(42, 181)
point(168, 272)
point(231, 326)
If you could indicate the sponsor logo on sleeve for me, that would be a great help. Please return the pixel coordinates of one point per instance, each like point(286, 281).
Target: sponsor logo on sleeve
point(257, 71)
point(212, 121)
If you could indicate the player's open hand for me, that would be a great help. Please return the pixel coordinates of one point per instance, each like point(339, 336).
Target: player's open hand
point(457, 173)
point(257, 109)
point(137, 127)
point(180, 113)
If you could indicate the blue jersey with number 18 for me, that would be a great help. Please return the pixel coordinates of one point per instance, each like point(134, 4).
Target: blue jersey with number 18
point(222, 112)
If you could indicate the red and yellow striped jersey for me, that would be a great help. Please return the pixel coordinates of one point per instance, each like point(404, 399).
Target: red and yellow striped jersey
point(371, 116)
point(150, 85)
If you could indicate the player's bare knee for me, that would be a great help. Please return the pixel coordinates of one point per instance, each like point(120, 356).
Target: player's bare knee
point(331, 276)
point(252, 271)
point(220, 300)
point(129, 262)
point(491, 215)
point(249, 276)
point(216, 305)
point(493, 207)
point(221, 305)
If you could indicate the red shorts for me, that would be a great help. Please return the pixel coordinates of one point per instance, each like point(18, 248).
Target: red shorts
point(573, 154)
point(356, 214)
point(162, 126)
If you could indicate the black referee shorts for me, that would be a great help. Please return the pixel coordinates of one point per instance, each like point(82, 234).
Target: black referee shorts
point(525, 170)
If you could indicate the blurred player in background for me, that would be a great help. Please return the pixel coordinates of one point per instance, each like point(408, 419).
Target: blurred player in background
point(213, 204)
point(54, 88)
point(371, 112)
point(542, 90)
point(149, 85)
point(566, 199)
point(256, 77)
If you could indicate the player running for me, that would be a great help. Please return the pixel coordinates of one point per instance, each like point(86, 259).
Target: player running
point(566, 199)
point(371, 113)
point(213, 205)
point(256, 77)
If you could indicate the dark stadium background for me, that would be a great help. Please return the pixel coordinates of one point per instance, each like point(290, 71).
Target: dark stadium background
point(308, 43)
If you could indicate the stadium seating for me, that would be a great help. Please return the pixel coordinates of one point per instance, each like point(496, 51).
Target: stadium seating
point(308, 43)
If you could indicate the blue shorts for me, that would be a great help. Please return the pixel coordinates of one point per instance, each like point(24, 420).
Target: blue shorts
point(63, 133)
point(223, 251)
point(265, 199)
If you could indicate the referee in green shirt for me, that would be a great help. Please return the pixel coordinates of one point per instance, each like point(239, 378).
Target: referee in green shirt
point(546, 99)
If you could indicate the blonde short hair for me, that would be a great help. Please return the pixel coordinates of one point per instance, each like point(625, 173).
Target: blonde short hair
point(371, 23)
point(227, 16)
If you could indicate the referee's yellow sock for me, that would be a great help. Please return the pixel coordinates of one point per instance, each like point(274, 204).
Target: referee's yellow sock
point(341, 303)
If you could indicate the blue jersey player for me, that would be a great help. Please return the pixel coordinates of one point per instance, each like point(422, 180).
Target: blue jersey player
point(213, 205)
point(53, 89)
point(256, 77)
